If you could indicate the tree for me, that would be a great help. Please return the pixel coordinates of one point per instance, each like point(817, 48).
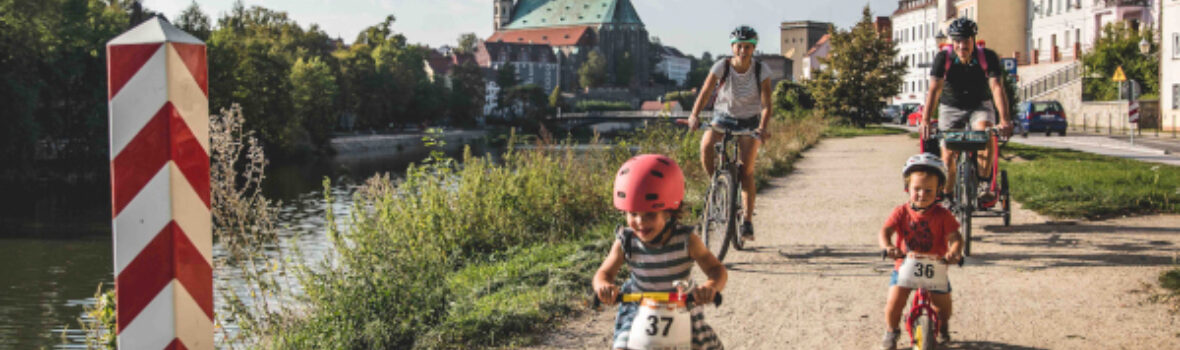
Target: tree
point(860, 73)
point(313, 91)
point(593, 71)
point(195, 22)
point(792, 98)
point(699, 71)
point(506, 77)
point(1119, 47)
point(467, 89)
point(467, 44)
point(555, 97)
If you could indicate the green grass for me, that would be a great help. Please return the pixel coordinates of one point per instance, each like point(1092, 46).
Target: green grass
point(1066, 183)
point(487, 254)
point(844, 131)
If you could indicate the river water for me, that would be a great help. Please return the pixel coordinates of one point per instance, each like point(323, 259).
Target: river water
point(55, 242)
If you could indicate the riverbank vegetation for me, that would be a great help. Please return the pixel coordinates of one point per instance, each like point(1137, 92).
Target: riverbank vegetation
point(486, 253)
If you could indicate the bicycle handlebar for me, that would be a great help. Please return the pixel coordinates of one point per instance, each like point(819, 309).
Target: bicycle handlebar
point(885, 255)
point(689, 298)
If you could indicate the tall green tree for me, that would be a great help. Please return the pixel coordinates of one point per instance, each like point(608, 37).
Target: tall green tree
point(313, 91)
point(1119, 47)
point(506, 77)
point(194, 21)
point(467, 44)
point(467, 89)
point(593, 71)
point(860, 73)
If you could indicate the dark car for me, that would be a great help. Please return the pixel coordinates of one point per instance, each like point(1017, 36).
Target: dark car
point(892, 114)
point(1038, 116)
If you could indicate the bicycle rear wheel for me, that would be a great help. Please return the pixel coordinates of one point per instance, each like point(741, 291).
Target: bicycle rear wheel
point(735, 210)
point(716, 222)
point(924, 333)
point(1005, 198)
point(965, 187)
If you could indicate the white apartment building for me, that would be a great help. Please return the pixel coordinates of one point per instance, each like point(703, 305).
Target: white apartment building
point(674, 65)
point(1058, 29)
point(1170, 65)
point(811, 60)
point(915, 26)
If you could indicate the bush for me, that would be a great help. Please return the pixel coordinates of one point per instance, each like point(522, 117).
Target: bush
point(790, 98)
point(600, 106)
point(686, 98)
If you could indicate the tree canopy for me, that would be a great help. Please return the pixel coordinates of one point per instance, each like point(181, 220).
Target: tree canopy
point(1119, 47)
point(860, 73)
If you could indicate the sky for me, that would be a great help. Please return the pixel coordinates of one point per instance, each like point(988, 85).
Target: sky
point(692, 26)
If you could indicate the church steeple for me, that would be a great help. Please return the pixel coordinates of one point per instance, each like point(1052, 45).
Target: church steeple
point(502, 10)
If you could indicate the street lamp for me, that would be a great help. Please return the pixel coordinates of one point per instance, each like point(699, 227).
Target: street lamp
point(1144, 46)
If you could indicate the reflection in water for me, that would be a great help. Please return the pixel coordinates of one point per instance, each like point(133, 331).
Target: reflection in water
point(55, 246)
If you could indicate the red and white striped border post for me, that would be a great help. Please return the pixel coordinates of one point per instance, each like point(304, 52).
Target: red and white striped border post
point(159, 106)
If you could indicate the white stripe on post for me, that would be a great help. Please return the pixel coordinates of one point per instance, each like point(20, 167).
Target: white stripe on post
point(159, 109)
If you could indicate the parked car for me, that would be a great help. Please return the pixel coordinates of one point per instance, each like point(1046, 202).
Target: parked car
point(892, 114)
point(1037, 116)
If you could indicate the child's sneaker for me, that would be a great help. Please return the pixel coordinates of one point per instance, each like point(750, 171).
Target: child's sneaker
point(890, 340)
point(747, 231)
point(944, 334)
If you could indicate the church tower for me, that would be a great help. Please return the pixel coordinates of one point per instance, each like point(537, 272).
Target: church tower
point(502, 10)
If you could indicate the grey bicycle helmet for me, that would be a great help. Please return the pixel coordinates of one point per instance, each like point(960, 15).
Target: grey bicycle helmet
point(962, 28)
point(925, 161)
point(744, 34)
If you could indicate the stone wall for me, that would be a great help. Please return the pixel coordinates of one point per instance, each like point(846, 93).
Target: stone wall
point(1099, 116)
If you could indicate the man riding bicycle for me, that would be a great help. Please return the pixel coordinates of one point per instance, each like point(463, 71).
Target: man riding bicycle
point(743, 103)
point(965, 81)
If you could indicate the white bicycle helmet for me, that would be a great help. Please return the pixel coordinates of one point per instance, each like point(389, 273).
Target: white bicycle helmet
point(925, 161)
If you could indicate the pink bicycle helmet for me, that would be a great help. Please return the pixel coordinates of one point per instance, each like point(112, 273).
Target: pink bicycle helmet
point(649, 182)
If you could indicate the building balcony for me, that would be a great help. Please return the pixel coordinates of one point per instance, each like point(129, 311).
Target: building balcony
point(1122, 3)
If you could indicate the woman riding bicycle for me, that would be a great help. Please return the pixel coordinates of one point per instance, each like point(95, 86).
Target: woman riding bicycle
point(743, 103)
point(965, 80)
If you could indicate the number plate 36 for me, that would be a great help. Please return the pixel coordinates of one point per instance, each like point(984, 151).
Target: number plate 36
point(662, 326)
point(923, 272)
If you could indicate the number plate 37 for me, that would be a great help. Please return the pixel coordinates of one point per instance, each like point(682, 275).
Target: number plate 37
point(923, 272)
point(662, 326)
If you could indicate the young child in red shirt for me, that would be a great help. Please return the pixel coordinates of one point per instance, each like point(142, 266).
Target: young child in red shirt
point(926, 227)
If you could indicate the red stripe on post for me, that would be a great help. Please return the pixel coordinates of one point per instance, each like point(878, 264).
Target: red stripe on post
point(150, 271)
point(137, 163)
point(193, 271)
point(123, 61)
point(175, 345)
point(193, 56)
point(189, 156)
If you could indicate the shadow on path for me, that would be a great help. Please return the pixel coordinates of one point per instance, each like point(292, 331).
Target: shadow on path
point(986, 345)
point(1079, 228)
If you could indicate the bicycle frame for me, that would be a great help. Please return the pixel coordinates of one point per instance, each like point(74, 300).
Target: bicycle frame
point(921, 303)
point(725, 180)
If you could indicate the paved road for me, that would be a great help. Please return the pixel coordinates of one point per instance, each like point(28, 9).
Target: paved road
point(1161, 150)
point(814, 279)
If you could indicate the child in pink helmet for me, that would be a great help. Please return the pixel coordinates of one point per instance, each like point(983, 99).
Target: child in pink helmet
point(649, 189)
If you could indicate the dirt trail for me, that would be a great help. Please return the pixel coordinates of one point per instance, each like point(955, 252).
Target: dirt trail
point(814, 278)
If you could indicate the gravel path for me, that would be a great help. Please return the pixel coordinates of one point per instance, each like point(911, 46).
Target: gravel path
point(814, 278)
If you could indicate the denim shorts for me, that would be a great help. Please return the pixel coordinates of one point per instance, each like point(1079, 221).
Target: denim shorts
point(893, 282)
point(726, 122)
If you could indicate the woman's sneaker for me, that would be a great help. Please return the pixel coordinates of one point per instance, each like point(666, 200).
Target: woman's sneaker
point(890, 340)
point(944, 334)
point(747, 231)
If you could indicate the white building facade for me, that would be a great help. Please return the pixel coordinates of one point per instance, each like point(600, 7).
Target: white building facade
point(1060, 29)
point(811, 61)
point(1170, 65)
point(915, 27)
point(674, 65)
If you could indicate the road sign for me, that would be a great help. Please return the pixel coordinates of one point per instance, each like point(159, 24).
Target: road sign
point(1118, 75)
point(1133, 111)
point(1009, 65)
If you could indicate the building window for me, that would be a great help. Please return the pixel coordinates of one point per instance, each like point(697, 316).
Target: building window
point(1175, 96)
point(1175, 45)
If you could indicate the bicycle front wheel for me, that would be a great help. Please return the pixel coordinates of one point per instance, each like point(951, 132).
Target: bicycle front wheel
point(716, 222)
point(735, 210)
point(924, 334)
point(965, 188)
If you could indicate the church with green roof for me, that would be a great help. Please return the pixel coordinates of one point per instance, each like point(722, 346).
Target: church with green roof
point(574, 28)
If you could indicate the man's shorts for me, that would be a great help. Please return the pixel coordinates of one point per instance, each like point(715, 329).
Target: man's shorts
point(952, 118)
point(893, 282)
